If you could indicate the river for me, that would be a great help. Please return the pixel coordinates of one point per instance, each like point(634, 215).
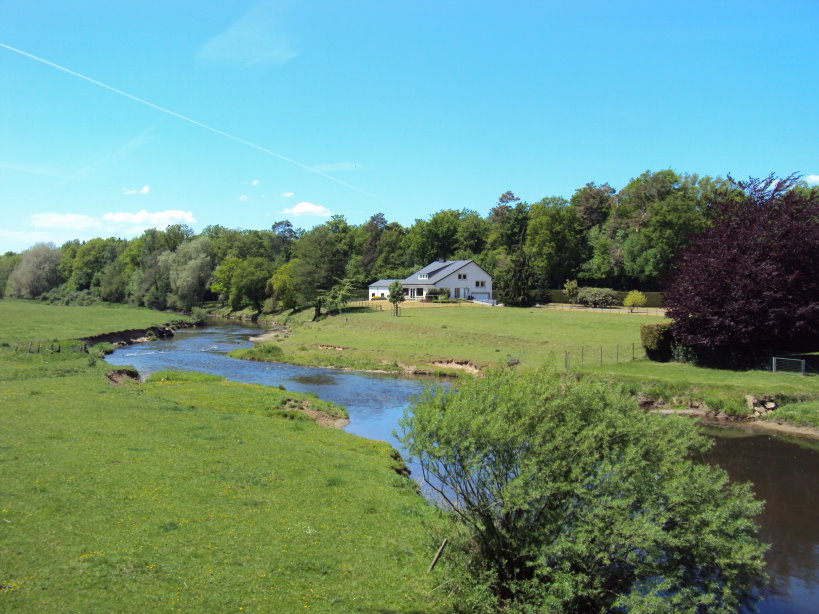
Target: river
point(783, 471)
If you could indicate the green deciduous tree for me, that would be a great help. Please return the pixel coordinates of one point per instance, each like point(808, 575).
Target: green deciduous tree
point(395, 296)
point(566, 498)
point(634, 300)
point(36, 272)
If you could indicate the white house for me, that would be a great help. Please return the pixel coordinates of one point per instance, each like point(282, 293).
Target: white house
point(380, 288)
point(464, 278)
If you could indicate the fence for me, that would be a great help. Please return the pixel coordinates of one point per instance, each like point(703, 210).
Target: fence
point(410, 304)
point(652, 311)
point(788, 365)
point(599, 355)
point(53, 347)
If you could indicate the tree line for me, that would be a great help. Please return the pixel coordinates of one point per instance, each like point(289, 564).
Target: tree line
point(626, 239)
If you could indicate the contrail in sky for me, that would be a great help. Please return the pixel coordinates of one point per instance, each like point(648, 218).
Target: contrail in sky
point(190, 120)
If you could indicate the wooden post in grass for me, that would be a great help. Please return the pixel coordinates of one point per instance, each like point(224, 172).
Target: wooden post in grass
point(438, 555)
point(581, 356)
point(601, 355)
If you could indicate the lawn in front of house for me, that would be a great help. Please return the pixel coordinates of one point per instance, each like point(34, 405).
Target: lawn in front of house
point(486, 336)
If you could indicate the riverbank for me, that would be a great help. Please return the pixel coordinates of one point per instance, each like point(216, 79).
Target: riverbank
point(457, 342)
point(197, 495)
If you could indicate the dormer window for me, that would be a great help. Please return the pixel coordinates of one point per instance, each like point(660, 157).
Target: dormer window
point(461, 275)
point(423, 276)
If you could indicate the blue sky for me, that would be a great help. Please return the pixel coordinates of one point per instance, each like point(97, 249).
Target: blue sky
point(306, 109)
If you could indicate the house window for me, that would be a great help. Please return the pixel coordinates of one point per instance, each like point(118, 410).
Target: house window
point(419, 292)
point(373, 294)
point(423, 276)
point(480, 284)
point(461, 275)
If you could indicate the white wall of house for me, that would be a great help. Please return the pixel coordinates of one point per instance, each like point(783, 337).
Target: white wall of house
point(378, 291)
point(469, 280)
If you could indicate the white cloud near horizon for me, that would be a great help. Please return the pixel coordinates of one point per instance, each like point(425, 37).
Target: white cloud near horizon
point(288, 194)
point(255, 38)
point(255, 183)
point(70, 221)
point(308, 210)
point(146, 189)
point(812, 179)
point(147, 219)
point(60, 227)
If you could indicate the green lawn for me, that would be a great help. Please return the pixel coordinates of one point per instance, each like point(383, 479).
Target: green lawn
point(192, 494)
point(24, 321)
point(484, 335)
point(487, 337)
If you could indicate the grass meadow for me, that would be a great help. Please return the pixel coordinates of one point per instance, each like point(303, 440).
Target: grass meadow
point(187, 493)
point(486, 336)
point(428, 338)
point(23, 321)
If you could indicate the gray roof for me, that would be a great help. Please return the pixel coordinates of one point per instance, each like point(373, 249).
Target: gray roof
point(383, 282)
point(435, 272)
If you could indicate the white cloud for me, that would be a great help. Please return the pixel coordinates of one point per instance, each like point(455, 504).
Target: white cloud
point(255, 38)
point(308, 209)
point(70, 221)
point(812, 179)
point(60, 227)
point(255, 182)
point(146, 189)
point(288, 194)
point(146, 219)
point(336, 166)
point(243, 197)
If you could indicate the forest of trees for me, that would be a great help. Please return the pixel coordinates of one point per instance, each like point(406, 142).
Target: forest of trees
point(626, 239)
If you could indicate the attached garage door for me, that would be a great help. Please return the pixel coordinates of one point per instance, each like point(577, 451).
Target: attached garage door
point(481, 296)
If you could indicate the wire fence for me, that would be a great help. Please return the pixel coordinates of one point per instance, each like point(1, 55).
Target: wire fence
point(599, 355)
point(652, 311)
point(379, 305)
point(53, 347)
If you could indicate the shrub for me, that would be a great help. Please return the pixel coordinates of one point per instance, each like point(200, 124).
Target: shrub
point(597, 297)
point(100, 350)
point(566, 499)
point(570, 289)
point(657, 341)
point(634, 300)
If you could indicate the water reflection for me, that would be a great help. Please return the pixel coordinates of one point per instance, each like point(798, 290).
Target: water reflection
point(784, 474)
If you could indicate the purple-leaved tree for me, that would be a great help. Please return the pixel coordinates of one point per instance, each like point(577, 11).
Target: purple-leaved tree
point(751, 281)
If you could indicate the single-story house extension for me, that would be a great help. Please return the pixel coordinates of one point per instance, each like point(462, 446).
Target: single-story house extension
point(464, 278)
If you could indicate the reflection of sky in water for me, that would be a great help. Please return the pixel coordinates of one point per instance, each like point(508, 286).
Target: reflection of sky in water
point(785, 474)
point(374, 401)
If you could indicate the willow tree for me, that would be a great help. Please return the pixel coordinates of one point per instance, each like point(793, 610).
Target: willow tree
point(564, 497)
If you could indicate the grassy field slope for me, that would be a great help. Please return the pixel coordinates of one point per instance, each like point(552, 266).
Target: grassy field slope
point(485, 336)
point(23, 321)
point(191, 494)
point(428, 338)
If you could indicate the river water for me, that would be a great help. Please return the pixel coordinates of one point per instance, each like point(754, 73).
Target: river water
point(784, 472)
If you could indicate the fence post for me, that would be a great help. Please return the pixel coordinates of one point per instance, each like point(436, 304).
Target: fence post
point(601, 355)
point(566, 360)
point(581, 356)
point(632, 352)
point(617, 359)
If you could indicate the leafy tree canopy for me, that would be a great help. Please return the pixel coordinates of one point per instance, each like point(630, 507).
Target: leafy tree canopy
point(566, 498)
point(751, 281)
